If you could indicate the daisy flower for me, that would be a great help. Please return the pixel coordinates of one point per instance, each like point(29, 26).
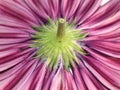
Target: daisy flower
point(59, 45)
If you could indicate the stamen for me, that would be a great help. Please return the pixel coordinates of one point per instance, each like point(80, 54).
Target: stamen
point(61, 28)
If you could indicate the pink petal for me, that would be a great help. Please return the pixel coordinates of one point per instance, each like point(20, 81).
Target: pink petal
point(15, 82)
point(70, 81)
point(54, 8)
point(37, 9)
point(110, 36)
point(108, 61)
point(73, 8)
point(79, 79)
point(12, 56)
point(35, 81)
point(87, 9)
point(56, 82)
point(103, 13)
point(106, 75)
point(108, 48)
point(48, 80)
point(10, 7)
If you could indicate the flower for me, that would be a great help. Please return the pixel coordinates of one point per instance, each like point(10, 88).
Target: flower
point(59, 45)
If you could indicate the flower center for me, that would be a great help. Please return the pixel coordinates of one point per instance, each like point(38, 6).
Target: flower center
point(56, 43)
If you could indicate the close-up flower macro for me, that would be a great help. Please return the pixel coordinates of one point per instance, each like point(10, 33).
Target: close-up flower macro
point(59, 45)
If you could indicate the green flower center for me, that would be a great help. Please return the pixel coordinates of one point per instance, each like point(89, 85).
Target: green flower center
point(57, 43)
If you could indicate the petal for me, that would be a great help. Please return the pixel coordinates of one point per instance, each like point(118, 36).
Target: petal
point(107, 21)
point(108, 48)
point(15, 10)
point(70, 81)
point(37, 9)
point(54, 8)
point(56, 82)
point(110, 36)
point(12, 56)
point(104, 73)
point(48, 80)
point(79, 79)
point(105, 26)
point(68, 8)
point(15, 82)
point(7, 23)
point(87, 9)
point(107, 60)
point(88, 81)
point(103, 13)
point(12, 41)
point(35, 81)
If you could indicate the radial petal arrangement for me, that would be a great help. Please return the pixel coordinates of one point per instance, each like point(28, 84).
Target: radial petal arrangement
point(59, 45)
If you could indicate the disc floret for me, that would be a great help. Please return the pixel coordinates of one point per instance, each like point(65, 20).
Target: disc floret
point(57, 42)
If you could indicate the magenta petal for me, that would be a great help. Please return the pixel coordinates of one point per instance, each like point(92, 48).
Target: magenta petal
point(108, 61)
point(87, 9)
point(35, 81)
point(102, 69)
point(12, 56)
point(8, 52)
point(48, 80)
point(13, 26)
point(15, 82)
point(13, 35)
point(37, 9)
point(108, 48)
point(103, 73)
point(104, 22)
point(11, 69)
point(103, 13)
point(22, 13)
point(104, 29)
point(73, 8)
point(65, 7)
point(78, 79)
point(70, 81)
point(12, 41)
point(56, 85)
point(54, 8)
point(110, 36)
point(98, 69)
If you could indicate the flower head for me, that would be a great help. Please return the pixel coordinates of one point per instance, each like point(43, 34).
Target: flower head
point(59, 45)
